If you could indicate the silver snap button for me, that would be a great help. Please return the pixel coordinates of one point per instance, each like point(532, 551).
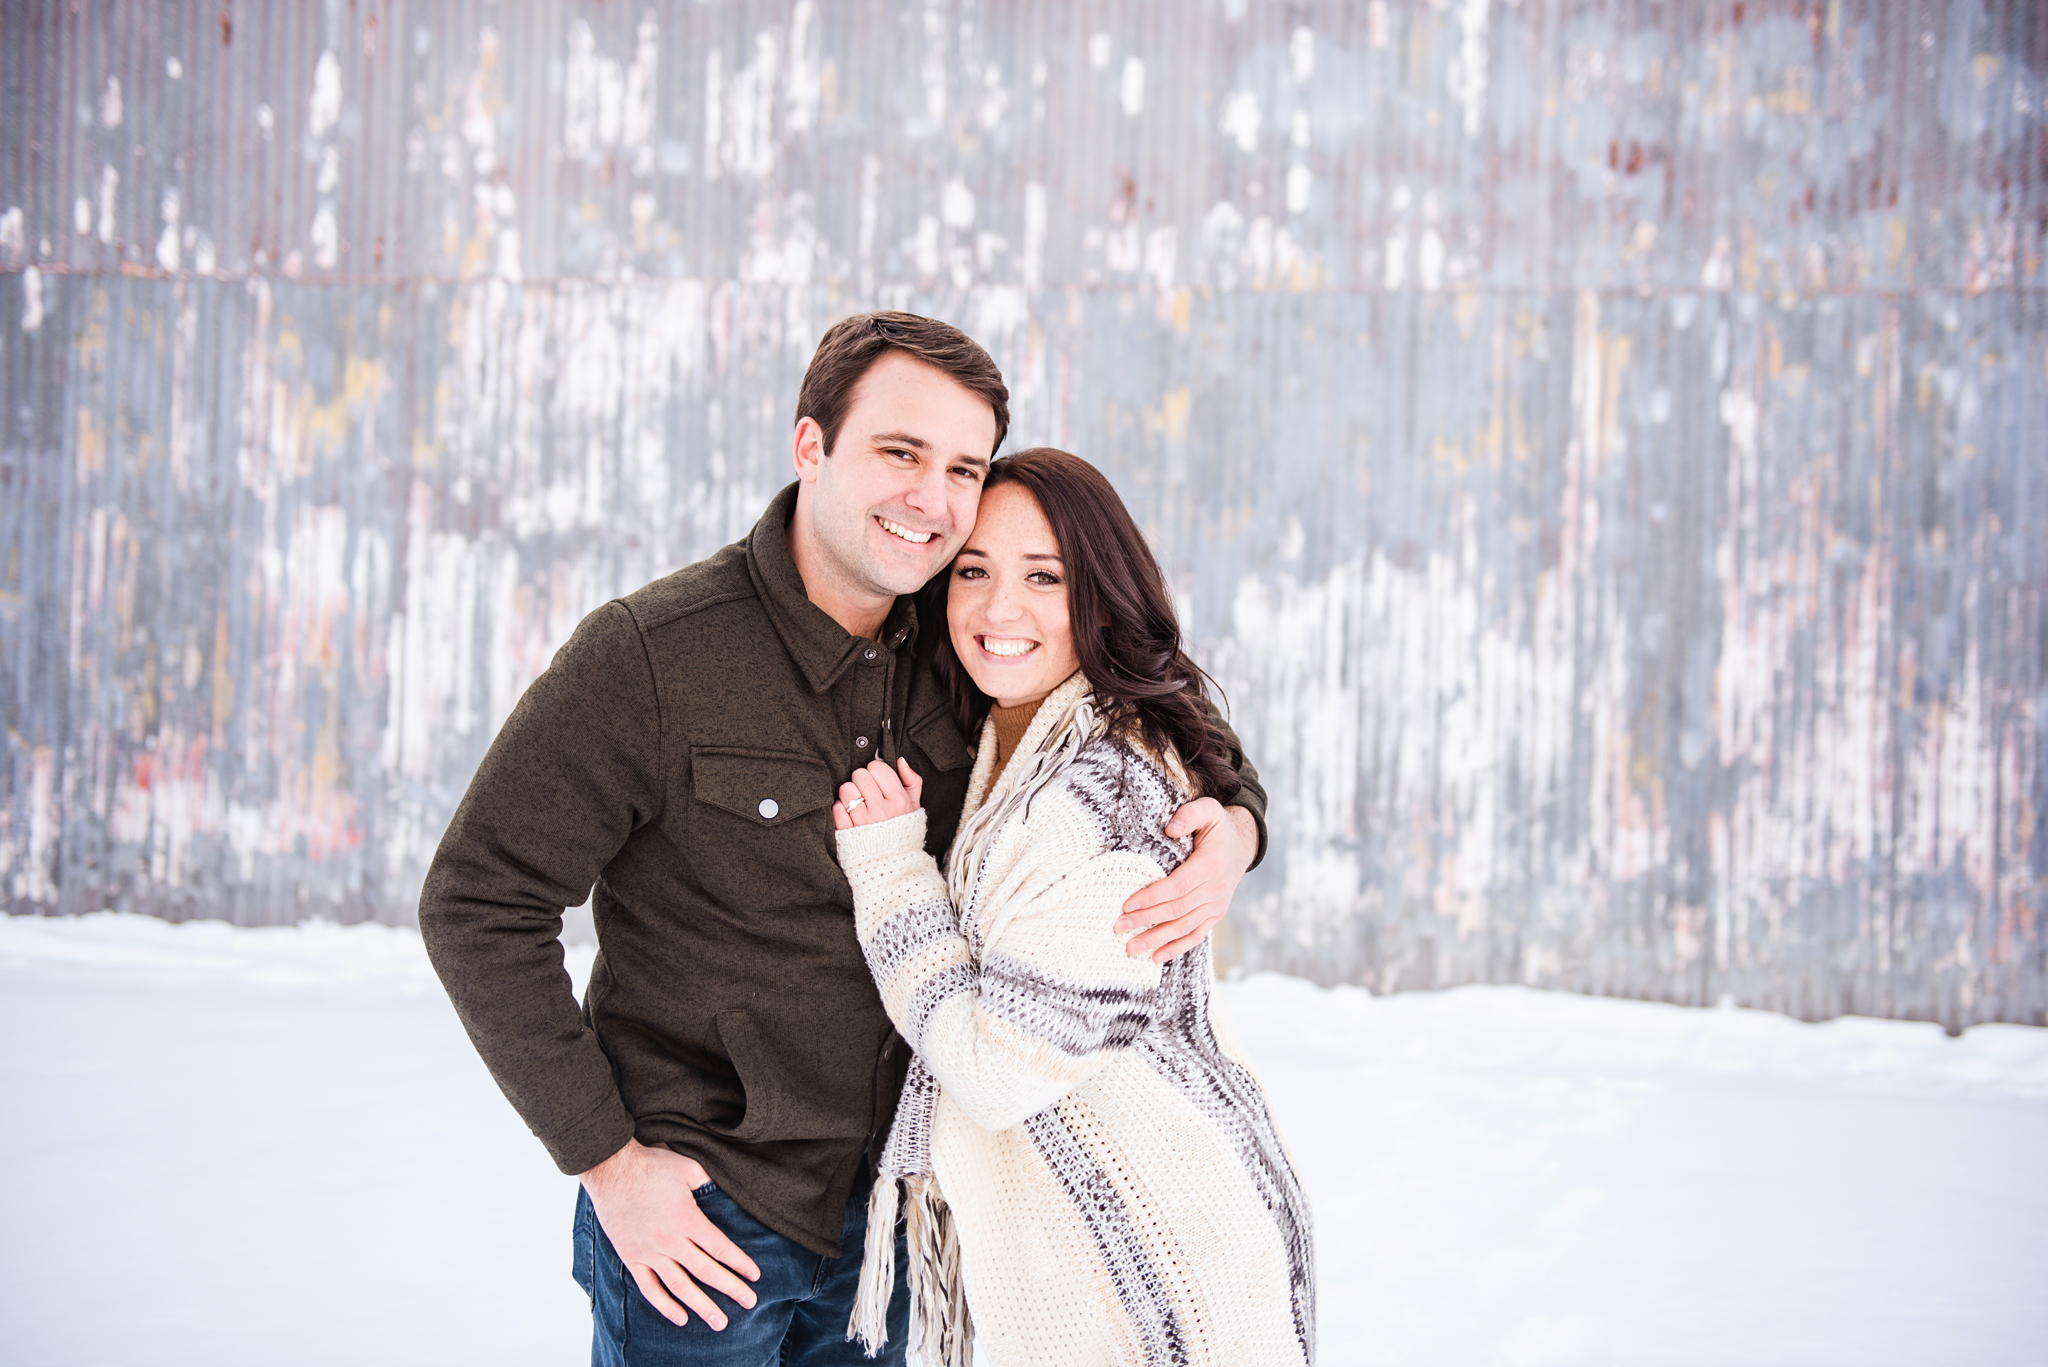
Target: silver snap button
point(860, 742)
point(871, 652)
point(768, 808)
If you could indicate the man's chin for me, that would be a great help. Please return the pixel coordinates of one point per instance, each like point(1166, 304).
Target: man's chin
point(903, 574)
point(898, 580)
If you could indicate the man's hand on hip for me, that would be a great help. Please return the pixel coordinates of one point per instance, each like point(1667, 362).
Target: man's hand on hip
point(642, 1198)
point(1178, 912)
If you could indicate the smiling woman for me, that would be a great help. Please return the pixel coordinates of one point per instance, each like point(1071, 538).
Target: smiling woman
point(1043, 1213)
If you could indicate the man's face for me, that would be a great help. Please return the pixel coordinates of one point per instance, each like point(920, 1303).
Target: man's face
point(897, 496)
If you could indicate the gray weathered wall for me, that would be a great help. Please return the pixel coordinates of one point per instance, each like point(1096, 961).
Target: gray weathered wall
point(1600, 446)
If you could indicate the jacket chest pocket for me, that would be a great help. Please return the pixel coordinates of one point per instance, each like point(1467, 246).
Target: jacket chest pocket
point(761, 830)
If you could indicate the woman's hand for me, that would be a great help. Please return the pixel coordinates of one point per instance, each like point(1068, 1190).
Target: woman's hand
point(877, 793)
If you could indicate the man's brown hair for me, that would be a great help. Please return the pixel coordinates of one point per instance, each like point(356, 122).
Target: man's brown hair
point(852, 345)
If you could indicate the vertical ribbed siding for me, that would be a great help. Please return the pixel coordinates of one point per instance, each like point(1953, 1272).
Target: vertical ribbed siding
point(1612, 496)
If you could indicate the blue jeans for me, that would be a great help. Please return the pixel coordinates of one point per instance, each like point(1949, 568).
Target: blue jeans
point(798, 1320)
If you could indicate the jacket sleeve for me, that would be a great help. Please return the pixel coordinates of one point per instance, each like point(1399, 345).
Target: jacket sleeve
point(1053, 997)
point(575, 770)
point(1252, 796)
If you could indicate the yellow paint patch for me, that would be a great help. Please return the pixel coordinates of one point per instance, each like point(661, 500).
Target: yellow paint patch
point(1170, 419)
point(1464, 308)
point(223, 676)
point(1987, 65)
point(1183, 309)
point(91, 443)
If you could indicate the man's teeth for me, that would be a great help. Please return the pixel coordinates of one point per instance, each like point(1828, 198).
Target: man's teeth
point(996, 646)
point(898, 529)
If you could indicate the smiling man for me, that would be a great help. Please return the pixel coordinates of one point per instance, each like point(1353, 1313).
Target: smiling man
point(725, 1087)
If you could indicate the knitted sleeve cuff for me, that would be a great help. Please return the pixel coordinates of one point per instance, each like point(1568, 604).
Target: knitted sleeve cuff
point(885, 840)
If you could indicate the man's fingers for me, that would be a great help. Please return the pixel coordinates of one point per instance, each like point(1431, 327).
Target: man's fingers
point(1158, 914)
point(709, 1271)
point(714, 1243)
point(1169, 899)
point(1171, 896)
point(657, 1294)
point(1194, 816)
point(678, 1281)
point(1181, 946)
point(1195, 921)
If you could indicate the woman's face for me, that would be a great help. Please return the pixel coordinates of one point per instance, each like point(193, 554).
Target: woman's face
point(1007, 605)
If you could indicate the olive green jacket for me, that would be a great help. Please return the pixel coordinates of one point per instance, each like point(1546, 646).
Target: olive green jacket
point(681, 754)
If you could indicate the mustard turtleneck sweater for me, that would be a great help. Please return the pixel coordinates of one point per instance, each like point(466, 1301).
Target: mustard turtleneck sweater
point(1011, 723)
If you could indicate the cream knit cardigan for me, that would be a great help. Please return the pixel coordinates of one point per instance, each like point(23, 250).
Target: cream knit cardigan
point(1100, 1148)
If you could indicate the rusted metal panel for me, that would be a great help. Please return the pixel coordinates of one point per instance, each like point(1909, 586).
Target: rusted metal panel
point(1599, 447)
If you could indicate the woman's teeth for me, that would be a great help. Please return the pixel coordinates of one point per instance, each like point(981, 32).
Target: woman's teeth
point(997, 646)
point(898, 529)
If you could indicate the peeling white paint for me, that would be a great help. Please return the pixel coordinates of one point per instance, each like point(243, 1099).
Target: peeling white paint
point(323, 108)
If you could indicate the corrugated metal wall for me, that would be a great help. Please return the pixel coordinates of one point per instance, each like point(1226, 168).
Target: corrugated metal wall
point(1600, 446)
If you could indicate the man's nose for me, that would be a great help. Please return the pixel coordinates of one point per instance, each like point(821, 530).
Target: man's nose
point(928, 494)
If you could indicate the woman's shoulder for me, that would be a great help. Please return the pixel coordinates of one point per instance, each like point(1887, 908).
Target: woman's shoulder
point(1129, 791)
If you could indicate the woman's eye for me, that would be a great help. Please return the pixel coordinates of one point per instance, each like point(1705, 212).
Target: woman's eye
point(1046, 577)
point(971, 572)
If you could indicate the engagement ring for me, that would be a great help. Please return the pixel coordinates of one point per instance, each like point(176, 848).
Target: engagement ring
point(855, 803)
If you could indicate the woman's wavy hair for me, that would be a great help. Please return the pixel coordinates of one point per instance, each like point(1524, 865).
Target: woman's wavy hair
point(1125, 632)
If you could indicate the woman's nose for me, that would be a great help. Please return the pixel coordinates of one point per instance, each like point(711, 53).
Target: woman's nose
point(1003, 605)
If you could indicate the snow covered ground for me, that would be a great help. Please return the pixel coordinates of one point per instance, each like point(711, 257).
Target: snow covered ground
point(233, 1146)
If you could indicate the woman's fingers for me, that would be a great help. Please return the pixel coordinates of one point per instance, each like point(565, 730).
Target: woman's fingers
point(870, 791)
point(877, 792)
point(885, 779)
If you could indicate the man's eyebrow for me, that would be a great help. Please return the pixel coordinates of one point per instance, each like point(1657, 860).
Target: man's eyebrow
point(900, 439)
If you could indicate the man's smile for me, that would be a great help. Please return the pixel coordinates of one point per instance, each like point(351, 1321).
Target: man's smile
point(897, 529)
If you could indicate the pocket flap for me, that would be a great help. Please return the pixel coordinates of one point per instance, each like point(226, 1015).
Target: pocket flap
point(767, 787)
point(938, 736)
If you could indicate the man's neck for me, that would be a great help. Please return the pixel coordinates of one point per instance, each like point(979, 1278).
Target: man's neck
point(861, 614)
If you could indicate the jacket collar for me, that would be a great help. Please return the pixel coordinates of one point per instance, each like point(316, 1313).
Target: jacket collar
point(820, 646)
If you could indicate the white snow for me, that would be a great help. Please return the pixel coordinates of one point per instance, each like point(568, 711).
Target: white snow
point(228, 1146)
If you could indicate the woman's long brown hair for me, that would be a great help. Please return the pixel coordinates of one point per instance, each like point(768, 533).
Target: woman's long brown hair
point(1125, 632)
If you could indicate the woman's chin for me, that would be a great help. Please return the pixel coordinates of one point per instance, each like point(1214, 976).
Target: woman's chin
point(998, 681)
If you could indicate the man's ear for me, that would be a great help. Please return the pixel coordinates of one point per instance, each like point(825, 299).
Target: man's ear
point(809, 451)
